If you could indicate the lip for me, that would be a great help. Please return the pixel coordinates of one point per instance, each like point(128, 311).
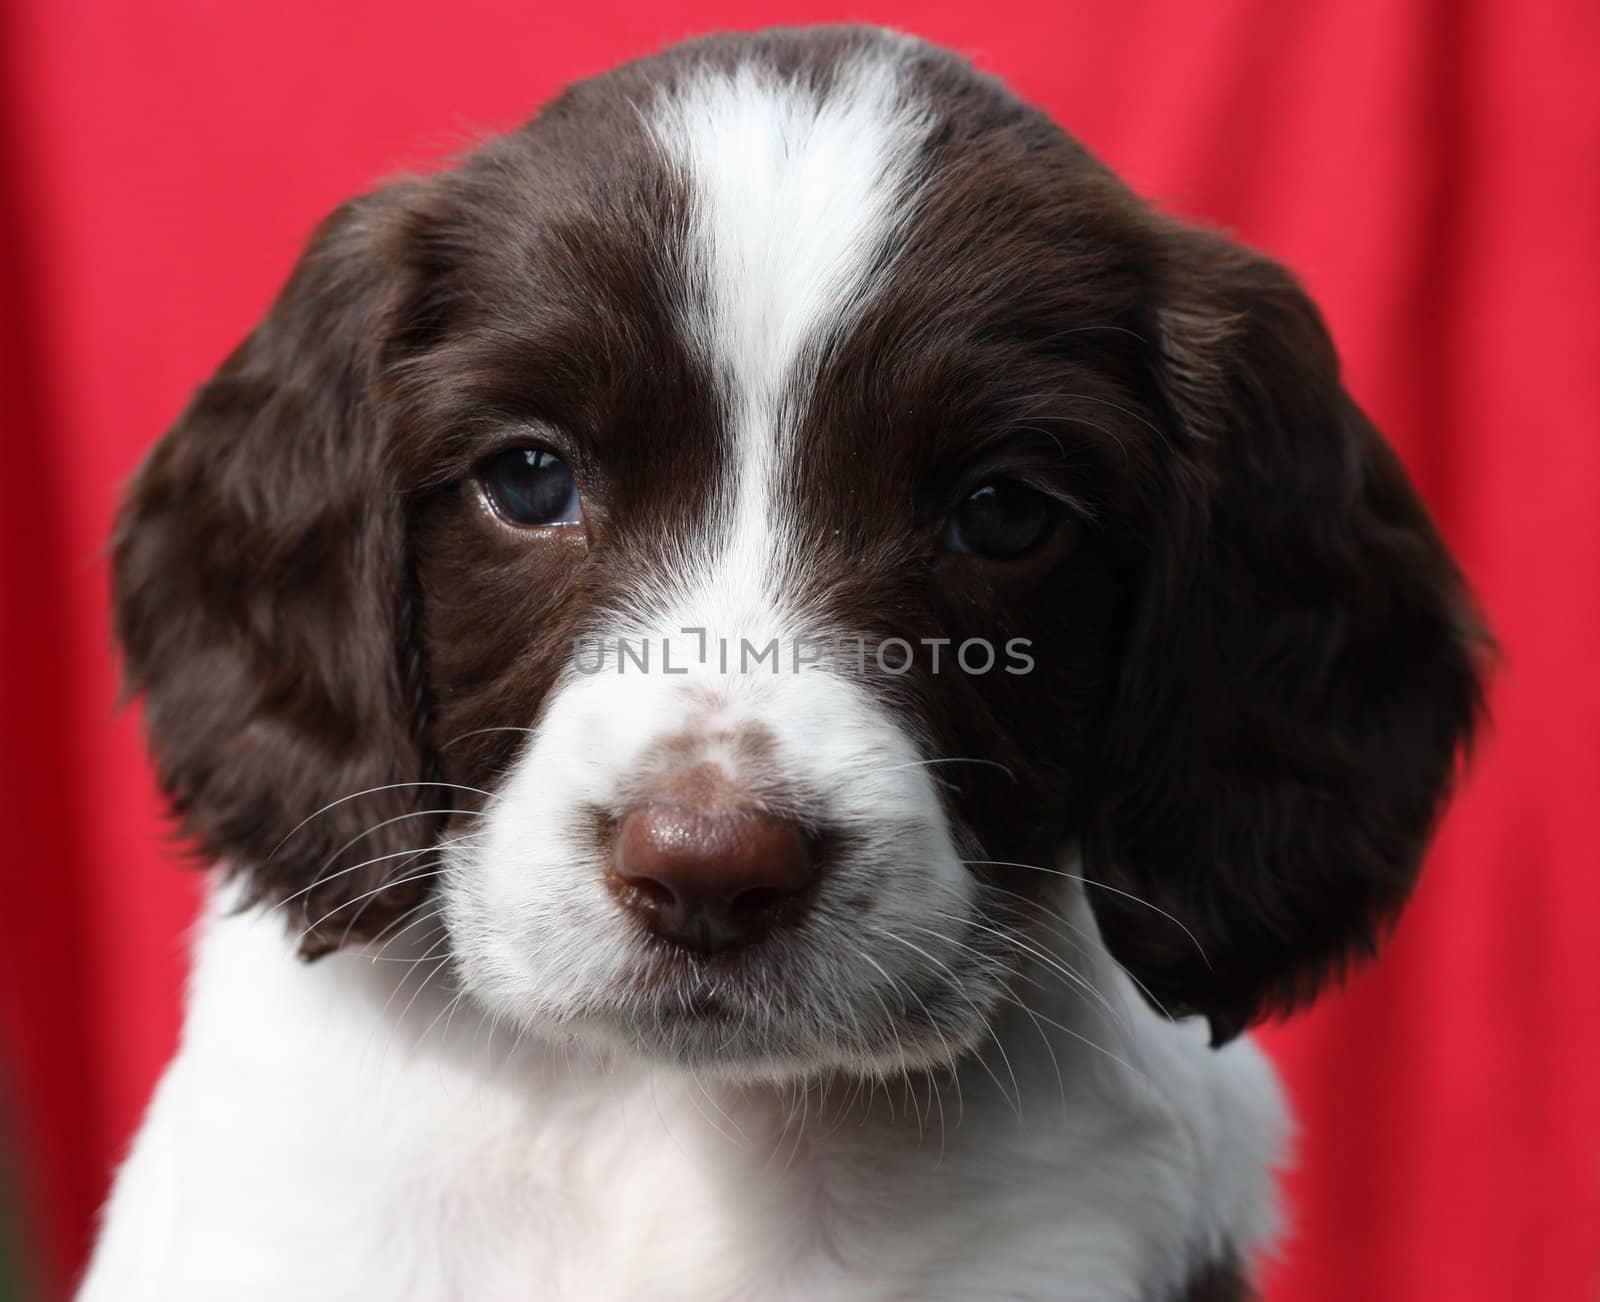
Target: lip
point(705, 1004)
point(666, 972)
point(672, 985)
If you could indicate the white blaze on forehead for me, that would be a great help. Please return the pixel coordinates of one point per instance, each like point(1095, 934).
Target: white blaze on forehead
point(795, 194)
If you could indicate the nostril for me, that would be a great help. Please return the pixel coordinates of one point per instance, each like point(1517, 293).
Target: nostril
point(758, 902)
point(650, 892)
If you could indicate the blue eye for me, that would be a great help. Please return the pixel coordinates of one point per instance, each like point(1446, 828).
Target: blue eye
point(1001, 520)
point(529, 486)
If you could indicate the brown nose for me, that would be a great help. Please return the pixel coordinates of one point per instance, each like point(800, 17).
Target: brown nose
point(709, 881)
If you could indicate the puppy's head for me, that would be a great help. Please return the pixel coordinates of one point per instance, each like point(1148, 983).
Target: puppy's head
point(741, 546)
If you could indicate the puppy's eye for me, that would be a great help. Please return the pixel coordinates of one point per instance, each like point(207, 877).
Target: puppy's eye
point(530, 486)
point(1001, 520)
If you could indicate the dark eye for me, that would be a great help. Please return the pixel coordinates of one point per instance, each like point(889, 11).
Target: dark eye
point(1002, 520)
point(531, 486)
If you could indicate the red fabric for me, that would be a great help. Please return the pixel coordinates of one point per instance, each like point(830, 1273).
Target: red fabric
point(1432, 167)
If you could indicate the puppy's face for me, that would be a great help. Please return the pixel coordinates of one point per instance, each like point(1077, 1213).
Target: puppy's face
point(743, 533)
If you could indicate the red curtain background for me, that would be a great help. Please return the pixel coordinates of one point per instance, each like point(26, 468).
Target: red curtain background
point(1432, 167)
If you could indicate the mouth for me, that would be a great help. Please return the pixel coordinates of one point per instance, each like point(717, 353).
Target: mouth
point(745, 1013)
point(722, 1007)
point(702, 1006)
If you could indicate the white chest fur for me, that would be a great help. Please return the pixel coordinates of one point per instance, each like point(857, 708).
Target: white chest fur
point(324, 1136)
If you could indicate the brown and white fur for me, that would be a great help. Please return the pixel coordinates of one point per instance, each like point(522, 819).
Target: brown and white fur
point(783, 307)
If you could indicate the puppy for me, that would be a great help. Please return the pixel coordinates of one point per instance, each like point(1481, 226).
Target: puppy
point(775, 667)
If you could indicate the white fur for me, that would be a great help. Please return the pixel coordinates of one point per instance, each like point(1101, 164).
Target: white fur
point(325, 1135)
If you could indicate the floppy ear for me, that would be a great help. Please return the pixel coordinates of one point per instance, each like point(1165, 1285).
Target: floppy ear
point(1302, 668)
point(263, 597)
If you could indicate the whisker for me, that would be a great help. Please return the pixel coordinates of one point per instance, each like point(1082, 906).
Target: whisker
point(408, 855)
point(428, 908)
point(1078, 940)
point(1104, 886)
point(1085, 1040)
point(435, 965)
point(449, 1008)
point(478, 732)
point(442, 866)
point(1079, 936)
point(435, 871)
point(329, 862)
point(804, 1095)
point(949, 1052)
point(1038, 1017)
point(960, 988)
point(894, 1030)
point(372, 791)
point(1061, 1086)
point(951, 759)
point(1055, 964)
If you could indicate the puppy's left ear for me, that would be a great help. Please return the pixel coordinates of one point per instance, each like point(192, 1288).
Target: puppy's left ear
point(1302, 669)
point(264, 598)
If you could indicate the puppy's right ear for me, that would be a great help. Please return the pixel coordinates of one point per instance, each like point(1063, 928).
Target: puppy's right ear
point(1304, 671)
point(263, 598)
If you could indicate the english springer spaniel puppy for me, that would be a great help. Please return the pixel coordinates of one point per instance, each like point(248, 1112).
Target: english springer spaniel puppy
point(776, 667)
